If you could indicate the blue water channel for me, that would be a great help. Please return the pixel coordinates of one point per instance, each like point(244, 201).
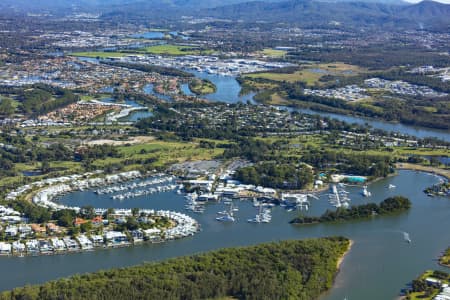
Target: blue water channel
point(378, 266)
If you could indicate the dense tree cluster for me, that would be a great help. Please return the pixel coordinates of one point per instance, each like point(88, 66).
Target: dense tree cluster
point(352, 163)
point(150, 68)
point(281, 176)
point(283, 270)
point(390, 205)
point(41, 99)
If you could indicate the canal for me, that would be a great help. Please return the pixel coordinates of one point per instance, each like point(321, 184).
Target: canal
point(378, 266)
point(229, 91)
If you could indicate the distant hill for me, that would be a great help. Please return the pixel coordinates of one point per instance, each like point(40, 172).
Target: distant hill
point(86, 5)
point(349, 13)
point(426, 10)
point(385, 13)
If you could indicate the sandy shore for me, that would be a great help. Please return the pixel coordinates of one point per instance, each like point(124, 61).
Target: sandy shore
point(407, 166)
point(341, 259)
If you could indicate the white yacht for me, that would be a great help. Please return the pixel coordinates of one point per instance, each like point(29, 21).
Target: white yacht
point(365, 192)
point(226, 218)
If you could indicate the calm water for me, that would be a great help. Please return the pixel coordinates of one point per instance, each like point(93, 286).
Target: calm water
point(228, 88)
point(420, 132)
point(137, 115)
point(378, 266)
point(149, 35)
point(134, 116)
point(148, 89)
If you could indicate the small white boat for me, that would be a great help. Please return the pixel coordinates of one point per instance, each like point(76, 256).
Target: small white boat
point(226, 218)
point(391, 186)
point(365, 192)
point(406, 237)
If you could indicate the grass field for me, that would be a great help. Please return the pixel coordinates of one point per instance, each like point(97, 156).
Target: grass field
point(161, 152)
point(273, 52)
point(310, 74)
point(175, 50)
point(202, 87)
point(277, 99)
point(303, 76)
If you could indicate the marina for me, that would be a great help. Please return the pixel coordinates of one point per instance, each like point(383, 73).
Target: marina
point(339, 196)
point(396, 264)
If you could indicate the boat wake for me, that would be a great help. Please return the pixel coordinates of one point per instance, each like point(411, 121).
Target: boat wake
point(406, 237)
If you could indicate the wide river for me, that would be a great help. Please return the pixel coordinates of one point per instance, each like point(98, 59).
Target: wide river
point(377, 267)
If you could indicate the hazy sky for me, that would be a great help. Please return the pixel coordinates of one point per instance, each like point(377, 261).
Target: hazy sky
point(442, 1)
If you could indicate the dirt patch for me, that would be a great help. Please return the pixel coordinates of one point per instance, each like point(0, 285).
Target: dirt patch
point(132, 141)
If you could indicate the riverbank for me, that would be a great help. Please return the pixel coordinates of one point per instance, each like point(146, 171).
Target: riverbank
point(434, 170)
point(220, 274)
point(444, 260)
point(341, 259)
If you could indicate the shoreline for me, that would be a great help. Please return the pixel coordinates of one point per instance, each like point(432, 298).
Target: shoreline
point(415, 167)
point(338, 269)
point(341, 259)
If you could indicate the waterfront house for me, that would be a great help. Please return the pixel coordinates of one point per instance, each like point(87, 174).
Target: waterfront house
point(85, 243)
point(45, 247)
point(32, 247)
point(11, 231)
point(138, 236)
point(11, 219)
point(58, 245)
point(5, 248)
point(97, 240)
point(18, 247)
point(38, 229)
point(152, 234)
point(79, 221)
point(444, 294)
point(433, 282)
point(24, 230)
point(71, 244)
point(97, 221)
point(53, 228)
point(115, 238)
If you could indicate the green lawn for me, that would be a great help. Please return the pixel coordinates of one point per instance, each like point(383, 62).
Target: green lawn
point(273, 52)
point(304, 76)
point(162, 152)
point(310, 74)
point(174, 50)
